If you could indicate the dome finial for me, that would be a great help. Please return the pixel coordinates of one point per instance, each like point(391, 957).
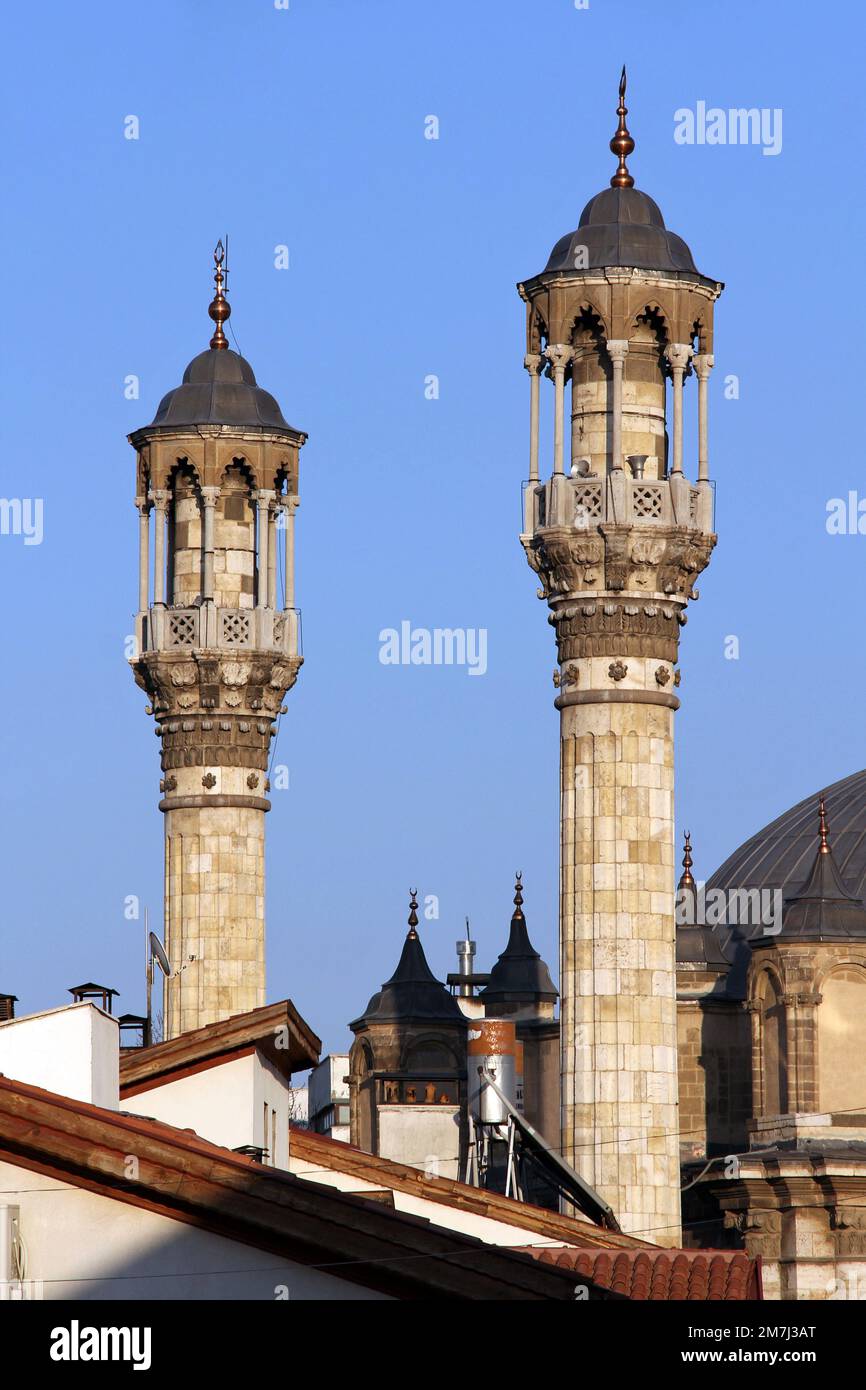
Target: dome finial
point(686, 879)
point(413, 911)
point(622, 144)
point(518, 894)
point(822, 826)
point(220, 309)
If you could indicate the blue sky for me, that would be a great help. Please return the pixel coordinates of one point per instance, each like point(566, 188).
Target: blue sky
point(305, 127)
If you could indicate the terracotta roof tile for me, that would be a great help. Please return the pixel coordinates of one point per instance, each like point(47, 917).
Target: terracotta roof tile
point(663, 1276)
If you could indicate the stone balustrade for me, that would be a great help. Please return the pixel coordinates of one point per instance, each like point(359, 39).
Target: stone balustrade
point(616, 498)
point(210, 628)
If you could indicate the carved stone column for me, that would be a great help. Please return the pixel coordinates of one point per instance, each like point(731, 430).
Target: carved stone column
point(209, 497)
point(272, 553)
point(703, 365)
point(291, 506)
point(264, 497)
point(143, 506)
point(559, 355)
point(678, 355)
point(532, 362)
point(617, 350)
point(160, 501)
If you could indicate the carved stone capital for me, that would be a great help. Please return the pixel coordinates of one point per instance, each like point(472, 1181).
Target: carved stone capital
point(703, 363)
point(617, 349)
point(159, 498)
point(209, 495)
point(559, 356)
point(678, 356)
point(533, 362)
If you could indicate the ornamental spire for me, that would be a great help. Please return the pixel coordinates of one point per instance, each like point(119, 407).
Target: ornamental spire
point(413, 912)
point(822, 827)
point(686, 879)
point(622, 144)
point(518, 894)
point(219, 308)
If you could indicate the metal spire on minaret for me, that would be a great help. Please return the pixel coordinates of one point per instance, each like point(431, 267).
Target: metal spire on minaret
point(219, 308)
point(622, 144)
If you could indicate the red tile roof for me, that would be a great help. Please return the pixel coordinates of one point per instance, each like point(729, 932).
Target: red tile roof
point(663, 1275)
point(277, 1029)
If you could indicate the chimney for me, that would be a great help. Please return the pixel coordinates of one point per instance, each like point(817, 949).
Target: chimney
point(465, 965)
point(100, 995)
point(7, 1006)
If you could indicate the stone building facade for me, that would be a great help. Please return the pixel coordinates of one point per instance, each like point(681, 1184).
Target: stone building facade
point(218, 647)
point(785, 1177)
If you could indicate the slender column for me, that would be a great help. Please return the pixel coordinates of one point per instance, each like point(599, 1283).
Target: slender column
point(703, 364)
point(290, 509)
point(532, 363)
point(559, 356)
point(678, 355)
point(272, 553)
point(209, 497)
point(160, 499)
point(617, 350)
point(263, 498)
point(143, 552)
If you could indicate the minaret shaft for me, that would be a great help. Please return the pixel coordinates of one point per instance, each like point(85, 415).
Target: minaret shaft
point(619, 1067)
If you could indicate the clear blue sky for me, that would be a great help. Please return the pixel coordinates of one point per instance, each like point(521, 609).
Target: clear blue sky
point(306, 127)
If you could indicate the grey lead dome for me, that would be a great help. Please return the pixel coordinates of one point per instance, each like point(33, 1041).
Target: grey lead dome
point(622, 227)
point(219, 388)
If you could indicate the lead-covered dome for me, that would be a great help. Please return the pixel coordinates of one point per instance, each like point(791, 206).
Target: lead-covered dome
point(219, 388)
point(622, 227)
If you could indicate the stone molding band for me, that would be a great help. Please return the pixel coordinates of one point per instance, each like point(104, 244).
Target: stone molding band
point(616, 697)
point(194, 803)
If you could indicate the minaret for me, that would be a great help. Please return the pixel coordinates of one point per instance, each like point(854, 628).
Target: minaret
point(218, 646)
point(618, 536)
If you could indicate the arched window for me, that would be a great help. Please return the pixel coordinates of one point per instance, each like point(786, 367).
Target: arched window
point(775, 1047)
point(362, 1097)
point(842, 1040)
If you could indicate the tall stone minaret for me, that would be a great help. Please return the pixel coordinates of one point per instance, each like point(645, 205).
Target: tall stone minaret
point(218, 646)
point(618, 535)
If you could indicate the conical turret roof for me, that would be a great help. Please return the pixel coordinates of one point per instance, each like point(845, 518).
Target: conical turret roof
point(519, 975)
point(413, 994)
point(823, 909)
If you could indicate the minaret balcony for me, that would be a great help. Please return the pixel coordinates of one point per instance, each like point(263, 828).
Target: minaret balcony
point(207, 627)
point(618, 499)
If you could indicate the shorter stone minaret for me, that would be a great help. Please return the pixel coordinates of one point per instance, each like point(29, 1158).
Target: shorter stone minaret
point(219, 645)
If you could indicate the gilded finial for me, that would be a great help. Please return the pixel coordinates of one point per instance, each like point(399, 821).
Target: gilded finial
point(413, 911)
point(687, 880)
point(622, 144)
point(219, 309)
point(518, 894)
point(822, 827)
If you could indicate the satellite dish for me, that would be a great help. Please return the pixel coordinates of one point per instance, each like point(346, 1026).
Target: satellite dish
point(157, 952)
